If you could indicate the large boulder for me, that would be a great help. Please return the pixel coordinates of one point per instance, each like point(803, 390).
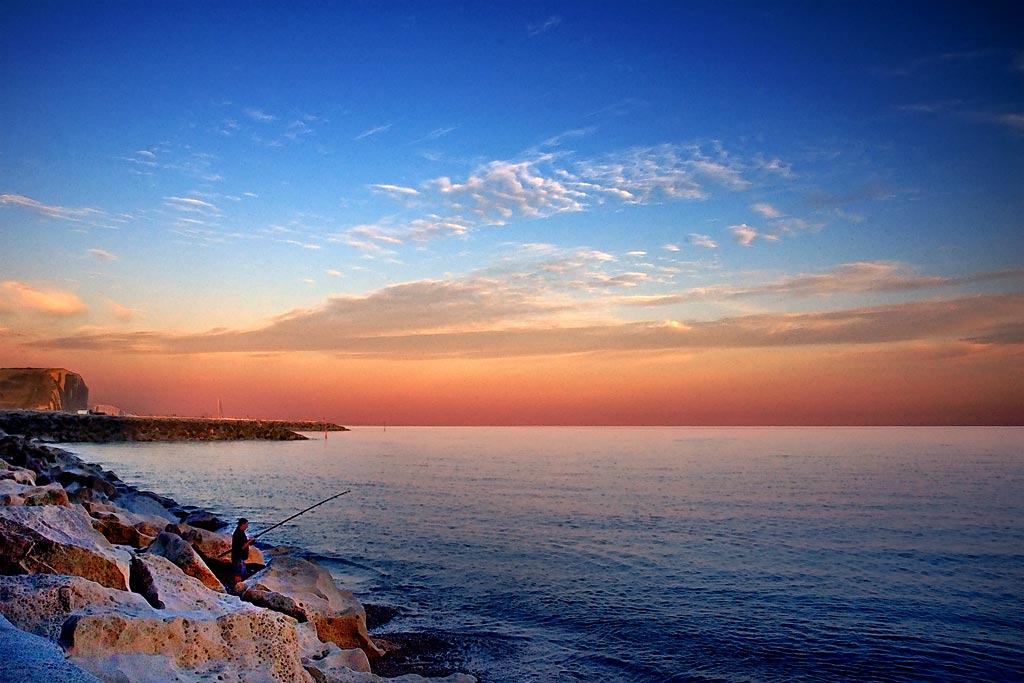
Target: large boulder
point(307, 591)
point(28, 658)
point(146, 645)
point(41, 603)
point(51, 539)
point(180, 552)
point(12, 493)
point(196, 635)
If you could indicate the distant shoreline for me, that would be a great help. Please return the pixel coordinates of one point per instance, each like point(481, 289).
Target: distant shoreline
point(62, 427)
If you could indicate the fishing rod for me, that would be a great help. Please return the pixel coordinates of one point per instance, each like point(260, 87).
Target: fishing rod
point(302, 512)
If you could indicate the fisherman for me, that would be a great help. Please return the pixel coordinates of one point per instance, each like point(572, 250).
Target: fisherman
point(240, 549)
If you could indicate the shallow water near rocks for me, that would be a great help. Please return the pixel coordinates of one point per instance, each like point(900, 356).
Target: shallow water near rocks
point(651, 554)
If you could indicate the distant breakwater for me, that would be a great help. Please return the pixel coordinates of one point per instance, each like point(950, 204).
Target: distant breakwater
point(71, 428)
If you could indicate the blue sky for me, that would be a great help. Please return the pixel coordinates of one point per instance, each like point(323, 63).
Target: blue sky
point(168, 169)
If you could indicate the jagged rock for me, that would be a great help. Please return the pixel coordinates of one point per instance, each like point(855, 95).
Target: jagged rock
point(180, 552)
point(19, 475)
point(52, 539)
point(145, 645)
point(28, 658)
point(12, 493)
point(307, 591)
point(40, 603)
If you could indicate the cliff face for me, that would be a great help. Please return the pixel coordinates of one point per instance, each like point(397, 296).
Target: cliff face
point(42, 389)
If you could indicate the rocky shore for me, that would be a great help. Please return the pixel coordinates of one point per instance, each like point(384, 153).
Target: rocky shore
point(63, 427)
point(100, 581)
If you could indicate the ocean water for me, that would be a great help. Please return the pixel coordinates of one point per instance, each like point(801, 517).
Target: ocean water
point(652, 554)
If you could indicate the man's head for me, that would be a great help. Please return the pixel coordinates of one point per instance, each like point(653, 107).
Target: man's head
point(243, 523)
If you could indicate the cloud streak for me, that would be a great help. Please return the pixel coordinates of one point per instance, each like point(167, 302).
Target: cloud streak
point(62, 212)
point(18, 297)
point(482, 318)
point(873, 276)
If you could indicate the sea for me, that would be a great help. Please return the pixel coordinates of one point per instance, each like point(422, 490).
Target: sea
point(646, 554)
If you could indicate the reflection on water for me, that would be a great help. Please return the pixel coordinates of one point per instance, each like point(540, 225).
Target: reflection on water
point(653, 554)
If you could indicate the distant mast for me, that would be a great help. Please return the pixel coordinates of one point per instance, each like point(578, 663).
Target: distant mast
point(220, 410)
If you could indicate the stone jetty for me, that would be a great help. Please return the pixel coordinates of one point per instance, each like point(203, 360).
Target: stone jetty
point(100, 581)
point(62, 427)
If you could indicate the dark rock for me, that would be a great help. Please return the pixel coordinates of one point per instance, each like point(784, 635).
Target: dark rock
point(426, 654)
point(204, 520)
point(141, 581)
point(378, 615)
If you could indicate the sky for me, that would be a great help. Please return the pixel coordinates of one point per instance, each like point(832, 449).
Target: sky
point(650, 213)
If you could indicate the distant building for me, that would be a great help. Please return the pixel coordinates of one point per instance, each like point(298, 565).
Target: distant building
point(101, 409)
point(42, 389)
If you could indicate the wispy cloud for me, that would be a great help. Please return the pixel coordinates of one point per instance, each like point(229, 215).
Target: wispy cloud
point(437, 134)
point(766, 210)
point(19, 296)
point(122, 312)
point(396, 190)
point(191, 205)
point(51, 211)
point(503, 190)
point(259, 115)
point(561, 138)
point(1014, 122)
point(544, 26)
point(544, 185)
point(703, 241)
point(101, 254)
point(744, 234)
point(377, 130)
point(933, 61)
point(872, 276)
point(664, 172)
point(462, 319)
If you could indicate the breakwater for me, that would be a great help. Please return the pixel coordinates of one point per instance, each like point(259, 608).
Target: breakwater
point(104, 582)
point(70, 428)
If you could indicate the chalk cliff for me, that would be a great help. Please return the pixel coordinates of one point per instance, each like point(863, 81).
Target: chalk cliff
point(42, 389)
